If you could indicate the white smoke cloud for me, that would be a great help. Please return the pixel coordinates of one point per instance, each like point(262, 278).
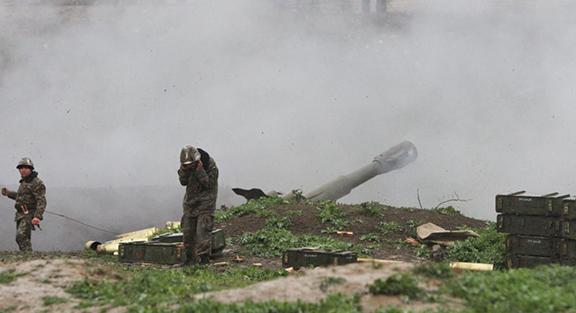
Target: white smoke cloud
point(105, 96)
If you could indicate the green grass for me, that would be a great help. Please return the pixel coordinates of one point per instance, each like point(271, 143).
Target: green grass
point(389, 227)
point(149, 287)
point(49, 300)
point(8, 276)
point(544, 289)
point(258, 207)
point(273, 242)
point(489, 247)
point(449, 210)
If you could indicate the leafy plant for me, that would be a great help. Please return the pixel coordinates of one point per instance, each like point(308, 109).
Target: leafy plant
point(330, 212)
point(434, 270)
point(449, 210)
point(258, 207)
point(373, 209)
point(278, 222)
point(273, 243)
point(330, 281)
point(397, 284)
point(371, 238)
point(422, 251)
point(389, 227)
point(489, 247)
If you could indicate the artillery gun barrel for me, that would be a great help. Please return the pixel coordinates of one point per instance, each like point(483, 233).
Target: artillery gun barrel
point(395, 158)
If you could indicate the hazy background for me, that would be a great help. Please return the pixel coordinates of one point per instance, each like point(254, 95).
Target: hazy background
point(283, 96)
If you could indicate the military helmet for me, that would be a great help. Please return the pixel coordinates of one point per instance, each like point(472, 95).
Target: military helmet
point(25, 162)
point(189, 155)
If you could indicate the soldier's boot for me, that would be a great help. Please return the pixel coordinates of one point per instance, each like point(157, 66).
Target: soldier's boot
point(204, 259)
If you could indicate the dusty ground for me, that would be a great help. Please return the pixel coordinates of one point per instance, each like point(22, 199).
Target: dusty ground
point(307, 286)
point(40, 279)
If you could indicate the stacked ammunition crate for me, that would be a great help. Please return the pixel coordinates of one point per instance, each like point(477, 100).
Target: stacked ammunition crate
point(541, 229)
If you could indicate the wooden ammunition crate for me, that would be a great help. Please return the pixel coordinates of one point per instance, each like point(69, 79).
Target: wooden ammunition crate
point(151, 252)
point(529, 225)
point(569, 209)
point(518, 261)
point(569, 229)
point(567, 249)
point(218, 240)
point(533, 245)
point(520, 204)
point(304, 257)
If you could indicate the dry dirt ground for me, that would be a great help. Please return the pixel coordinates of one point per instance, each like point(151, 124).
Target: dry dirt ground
point(41, 280)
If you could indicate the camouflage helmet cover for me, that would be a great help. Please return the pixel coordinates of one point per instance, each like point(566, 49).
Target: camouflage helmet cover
point(25, 162)
point(189, 155)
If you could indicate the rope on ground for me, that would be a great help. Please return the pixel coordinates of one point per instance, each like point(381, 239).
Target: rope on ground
point(77, 221)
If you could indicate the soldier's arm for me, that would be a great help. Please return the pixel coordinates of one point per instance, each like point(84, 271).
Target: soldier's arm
point(209, 178)
point(12, 195)
point(39, 193)
point(183, 176)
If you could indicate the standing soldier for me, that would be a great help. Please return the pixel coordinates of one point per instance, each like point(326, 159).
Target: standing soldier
point(30, 203)
point(198, 172)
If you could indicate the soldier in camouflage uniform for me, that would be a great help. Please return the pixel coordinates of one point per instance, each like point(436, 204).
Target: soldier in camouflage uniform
point(198, 172)
point(30, 203)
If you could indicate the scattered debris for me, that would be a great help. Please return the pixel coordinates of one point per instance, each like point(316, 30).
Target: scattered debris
point(238, 259)
point(345, 233)
point(433, 234)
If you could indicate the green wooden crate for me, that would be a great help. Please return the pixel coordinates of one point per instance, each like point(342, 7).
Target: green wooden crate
point(521, 204)
point(529, 225)
point(218, 240)
point(569, 209)
point(304, 257)
point(151, 252)
point(520, 261)
point(533, 245)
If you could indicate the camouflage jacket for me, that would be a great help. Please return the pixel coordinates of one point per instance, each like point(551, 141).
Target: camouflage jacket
point(201, 187)
point(31, 192)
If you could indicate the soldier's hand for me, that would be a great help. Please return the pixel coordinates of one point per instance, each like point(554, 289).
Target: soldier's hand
point(199, 166)
point(35, 221)
point(5, 191)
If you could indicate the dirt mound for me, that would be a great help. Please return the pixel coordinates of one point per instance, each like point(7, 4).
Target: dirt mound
point(362, 220)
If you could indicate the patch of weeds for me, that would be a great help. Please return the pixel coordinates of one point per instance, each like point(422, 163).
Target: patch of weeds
point(330, 212)
point(449, 210)
point(489, 247)
point(330, 281)
point(411, 226)
point(50, 300)
point(258, 207)
point(388, 227)
point(422, 251)
point(10, 275)
point(434, 270)
point(99, 271)
point(149, 287)
point(540, 289)
point(44, 281)
point(359, 221)
point(371, 238)
point(8, 309)
point(373, 209)
point(273, 242)
point(329, 230)
point(295, 212)
point(395, 243)
point(278, 222)
point(397, 285)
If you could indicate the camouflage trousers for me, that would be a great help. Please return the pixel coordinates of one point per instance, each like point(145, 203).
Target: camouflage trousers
point(197, 233)
point(24, 234)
